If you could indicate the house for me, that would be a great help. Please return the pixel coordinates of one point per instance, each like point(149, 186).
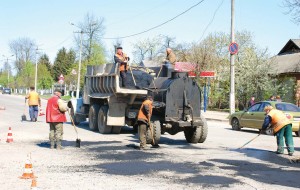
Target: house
point(287, 64)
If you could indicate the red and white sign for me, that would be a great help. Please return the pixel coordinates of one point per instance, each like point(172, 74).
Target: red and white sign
point(61, 79)
point(233, 48)
point(207, 74)
point(186, 67)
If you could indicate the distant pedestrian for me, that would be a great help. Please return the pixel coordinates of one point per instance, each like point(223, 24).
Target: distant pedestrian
point(122, 59)
point(251, 101)
point(272, 98)
point(278, 99)
point(144, 117)
point(55, 116)
point(282, 127)
point(34, 102)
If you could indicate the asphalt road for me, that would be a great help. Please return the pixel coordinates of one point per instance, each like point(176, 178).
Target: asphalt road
point(110, 162)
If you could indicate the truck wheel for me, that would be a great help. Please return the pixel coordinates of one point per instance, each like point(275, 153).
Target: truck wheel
point(156, 132)
point(102, 120)
point(93, 117)
point(204, 130)
point(192, 134)
point(72, 113)
point(116, 129)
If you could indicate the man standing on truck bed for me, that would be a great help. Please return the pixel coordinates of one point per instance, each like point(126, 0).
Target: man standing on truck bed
point(122, 59)
point(144, 116)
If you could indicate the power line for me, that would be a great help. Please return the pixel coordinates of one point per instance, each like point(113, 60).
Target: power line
point(211, 20)
point(111, 38)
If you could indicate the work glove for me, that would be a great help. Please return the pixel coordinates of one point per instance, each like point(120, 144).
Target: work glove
point(69, 104)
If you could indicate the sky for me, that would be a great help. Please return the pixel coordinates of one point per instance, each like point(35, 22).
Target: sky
point(48, 22)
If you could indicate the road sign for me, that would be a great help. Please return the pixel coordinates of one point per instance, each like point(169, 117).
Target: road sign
point(233, 48)
point(207, 74)
point(61, 79)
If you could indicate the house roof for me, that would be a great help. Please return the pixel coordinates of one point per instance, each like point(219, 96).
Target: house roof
point(292, 46)
point(286, 63)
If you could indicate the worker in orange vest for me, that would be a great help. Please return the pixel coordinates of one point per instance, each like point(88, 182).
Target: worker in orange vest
point(282, 127)
point(34, 102)
point(144, 117)
point(122, 59)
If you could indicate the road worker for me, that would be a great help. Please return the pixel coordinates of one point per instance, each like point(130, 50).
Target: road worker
point(55, 116)
point(144, 117)
point(282, 127)
point(122, 59)
point(34, 102)
point(171, 57)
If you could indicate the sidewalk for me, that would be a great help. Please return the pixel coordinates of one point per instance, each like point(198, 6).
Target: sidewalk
point(215, 116)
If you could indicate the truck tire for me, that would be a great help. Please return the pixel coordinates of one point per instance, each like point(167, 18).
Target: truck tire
point(93, 117)
point(116, 129)
point(192, 134)
point(156, 132)
point(102, 121)
point(204, 130)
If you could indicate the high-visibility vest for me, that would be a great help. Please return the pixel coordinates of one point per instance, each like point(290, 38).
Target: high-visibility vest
point(142, 113)
point(279, 120)
point(53, 114)
point(122, 58)
point(33, 98)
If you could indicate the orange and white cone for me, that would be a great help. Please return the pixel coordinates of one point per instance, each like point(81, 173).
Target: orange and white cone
point(28, 173)
point(41, 112)
point(33, 184)
point(9, 136)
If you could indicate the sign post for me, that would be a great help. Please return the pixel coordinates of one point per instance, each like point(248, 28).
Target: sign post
point(207, 75)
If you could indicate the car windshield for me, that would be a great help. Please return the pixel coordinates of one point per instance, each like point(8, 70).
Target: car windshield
point(287, 107)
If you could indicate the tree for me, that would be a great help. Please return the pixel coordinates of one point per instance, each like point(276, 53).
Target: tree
point(25, 78)
point(44, 60)
point(63, 63)
point(293, 9)
point(24, 51)
point(45, 79)
point(93, 30)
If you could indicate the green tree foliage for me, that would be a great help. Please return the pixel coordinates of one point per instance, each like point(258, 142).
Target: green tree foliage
point(45, 79)
point(63, 63)
point(25, 78)
point(44, 59)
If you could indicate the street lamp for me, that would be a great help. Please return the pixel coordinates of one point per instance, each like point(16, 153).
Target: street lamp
point(35, 77)
point(7, 57)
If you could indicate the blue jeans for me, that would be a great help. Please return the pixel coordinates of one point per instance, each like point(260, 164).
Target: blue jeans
point(33, 112)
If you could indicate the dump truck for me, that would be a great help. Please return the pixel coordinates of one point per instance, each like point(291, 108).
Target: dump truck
point(109, 107)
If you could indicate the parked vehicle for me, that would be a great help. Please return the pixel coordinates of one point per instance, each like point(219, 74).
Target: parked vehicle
point(6, 91)
point(253, 117)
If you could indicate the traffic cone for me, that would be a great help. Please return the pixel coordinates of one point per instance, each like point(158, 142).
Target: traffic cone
point(9, 136)
point(33, 184)
point(41, 112)
point(28, 173)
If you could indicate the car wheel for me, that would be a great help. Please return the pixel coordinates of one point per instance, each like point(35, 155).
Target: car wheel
point(235, 124)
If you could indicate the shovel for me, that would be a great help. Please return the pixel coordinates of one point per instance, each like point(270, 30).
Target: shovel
point(23, 117)
point(249, 141)
point(78, 141)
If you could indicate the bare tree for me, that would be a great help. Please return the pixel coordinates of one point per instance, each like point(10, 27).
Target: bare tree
point(24, 51)
point(93, 29)
point(293, 9)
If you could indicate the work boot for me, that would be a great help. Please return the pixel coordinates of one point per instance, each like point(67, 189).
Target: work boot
point(59, 146)
point(52, 144)
point(291, 153)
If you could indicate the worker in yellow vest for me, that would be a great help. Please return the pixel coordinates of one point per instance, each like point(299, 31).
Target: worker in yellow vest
point(33, 102)
point(282, 127)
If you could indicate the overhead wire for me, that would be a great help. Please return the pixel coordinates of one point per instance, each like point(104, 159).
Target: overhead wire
point(157, 26)
point(211, 21)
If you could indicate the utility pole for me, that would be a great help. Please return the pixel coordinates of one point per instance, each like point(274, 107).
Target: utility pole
point(35, 77)
point(232, 90)
point(79, 66)
point(8, 68)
